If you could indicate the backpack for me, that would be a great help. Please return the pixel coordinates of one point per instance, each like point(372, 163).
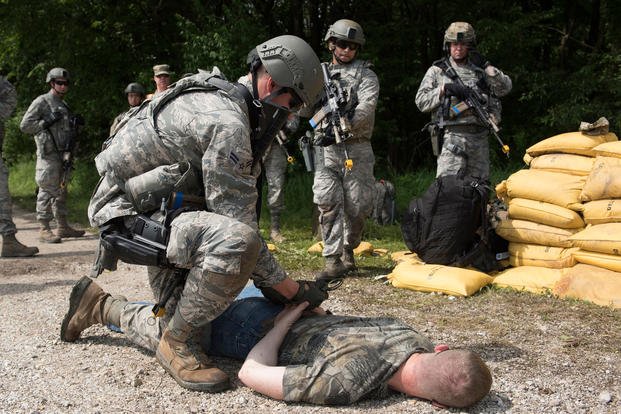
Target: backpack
point(384, 207)
point(448, 224)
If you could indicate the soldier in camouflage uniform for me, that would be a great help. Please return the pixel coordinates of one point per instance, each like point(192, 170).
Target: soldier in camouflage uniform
point(55, 128)
point(161, 78)
point(11, 247)
point(218, 130)
point(135, 93)
point(464, 147)
point(345, 197)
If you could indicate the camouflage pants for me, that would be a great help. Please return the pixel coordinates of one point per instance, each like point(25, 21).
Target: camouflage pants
point(220, 253)
point(51, 198)
point(344, 198)
point(7, 226)
point(467, 153)
point(275, 163)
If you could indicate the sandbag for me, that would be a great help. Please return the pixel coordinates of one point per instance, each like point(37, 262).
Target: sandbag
point(501, 191)
point(544, 213)
point(550, 187)
point(609, 149)
point(363, 249)
point(405, 256)
point(530, 278)
point(607, 261)
point(563, 163)
point(602, 211)
point(604, 181)
point(603, 238)
point(524, 254)
point(570, 143)
point(591, 283)
point(522, 231)
point(454, 281)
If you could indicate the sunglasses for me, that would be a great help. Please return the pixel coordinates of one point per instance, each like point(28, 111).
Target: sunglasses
point(343, 44)
point(61, 83)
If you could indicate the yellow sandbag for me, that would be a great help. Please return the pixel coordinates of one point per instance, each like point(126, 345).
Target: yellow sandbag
point(604, 181)
point(524, 254)
point(380, 252)
point(363, 249)
point(603, 238)
point(544, 213)
point(602, 211)
point(437, 278)
point(607, 261)
point(530, 278)
point(571, 143)
point(563, 163)
point(272, 247)
point(405, 256)
point(609, 149)
point(550, 187)
point(522, 231)
point(592, 283)
point(316, 248)
point(501, 191)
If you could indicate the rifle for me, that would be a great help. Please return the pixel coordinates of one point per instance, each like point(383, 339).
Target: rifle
point(75, 121)
point(334, 111)
point(475, 101)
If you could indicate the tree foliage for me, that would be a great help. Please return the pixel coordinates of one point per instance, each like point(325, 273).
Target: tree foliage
point(560, 55)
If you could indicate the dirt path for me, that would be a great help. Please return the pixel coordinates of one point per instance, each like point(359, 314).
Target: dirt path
point(546, 355)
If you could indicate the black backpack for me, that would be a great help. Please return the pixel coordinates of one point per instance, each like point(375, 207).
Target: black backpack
point(448, 225)
point(384, 207)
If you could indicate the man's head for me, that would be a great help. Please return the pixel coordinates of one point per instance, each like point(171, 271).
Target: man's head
point(161, 77)
point(453, 378)
point(458, 39)
point(344, 37)
point(135, 94)
point(58, 78)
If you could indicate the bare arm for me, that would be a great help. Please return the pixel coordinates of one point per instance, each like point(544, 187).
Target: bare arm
point(259, 371)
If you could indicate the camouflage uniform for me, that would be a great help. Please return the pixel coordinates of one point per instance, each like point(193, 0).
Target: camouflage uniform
point(210, 130)
point(8, 99)
point(51, 199)
point(465, 146)
point(345, 198)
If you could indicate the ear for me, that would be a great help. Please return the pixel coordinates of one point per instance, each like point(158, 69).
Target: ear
point(271, 84)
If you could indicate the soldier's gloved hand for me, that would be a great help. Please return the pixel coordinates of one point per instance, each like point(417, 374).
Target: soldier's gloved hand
point(51, 118)
point(477, 59)
point(458, 91)
point(310, 292)
point(325, 139)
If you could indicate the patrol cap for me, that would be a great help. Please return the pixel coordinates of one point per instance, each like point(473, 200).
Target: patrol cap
point(161, 70)
point(346, 29)
point(135, 87)
point(57, 73)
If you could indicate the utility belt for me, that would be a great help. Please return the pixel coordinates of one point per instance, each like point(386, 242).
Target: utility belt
point(465, 129)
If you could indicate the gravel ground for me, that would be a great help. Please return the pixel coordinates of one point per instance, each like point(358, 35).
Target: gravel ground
point(546, 354)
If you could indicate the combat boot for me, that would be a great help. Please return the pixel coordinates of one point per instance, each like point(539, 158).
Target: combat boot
point(191, 372)
point(275, 234)
point(334, 268)
point(45, 233)
point(11, 247)
point(348, 260)
point(65, 230)
point(89, 305)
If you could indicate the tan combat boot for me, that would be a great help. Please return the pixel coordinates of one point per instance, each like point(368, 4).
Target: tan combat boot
point(275, 234)
point(87, 307)
point(65, 230)
point(177, 359)
point(11, 247)
point(45, 233)
point(348, 260)
point(334, 268)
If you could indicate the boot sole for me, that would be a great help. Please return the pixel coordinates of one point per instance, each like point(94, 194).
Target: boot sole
point(74, 302)
point(194, 386)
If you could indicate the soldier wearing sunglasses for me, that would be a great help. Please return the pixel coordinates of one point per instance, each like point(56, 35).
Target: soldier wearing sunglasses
point(345, 196)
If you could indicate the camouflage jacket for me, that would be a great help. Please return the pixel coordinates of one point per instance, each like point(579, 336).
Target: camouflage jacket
point(57, 136)
point(8, 100)
point(428, 95)
point(338, 360)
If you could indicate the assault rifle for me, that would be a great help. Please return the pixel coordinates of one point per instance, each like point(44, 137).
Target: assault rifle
point(475, 101)
point(76, 122)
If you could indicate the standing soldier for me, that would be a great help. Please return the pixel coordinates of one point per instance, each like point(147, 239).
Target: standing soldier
point(55, 129)
point(345, 196)
point(161, 77)
point(459, 137)
point(135, 95)
point(11, 247)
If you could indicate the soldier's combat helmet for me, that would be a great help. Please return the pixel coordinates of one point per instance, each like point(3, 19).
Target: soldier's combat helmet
point(346, 29)
point(135, 87)
point(292, 63)
point(56, 73)
point(460, 32)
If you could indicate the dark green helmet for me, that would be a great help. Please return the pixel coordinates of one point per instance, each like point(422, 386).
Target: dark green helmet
point(135, 87)
point(56, 73)
point(346, 29)
point(292, 63)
